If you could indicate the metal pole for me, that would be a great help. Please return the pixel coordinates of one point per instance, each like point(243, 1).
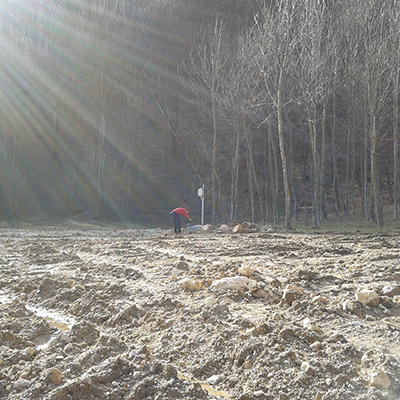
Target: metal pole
point(200, 193)
point(202, 207)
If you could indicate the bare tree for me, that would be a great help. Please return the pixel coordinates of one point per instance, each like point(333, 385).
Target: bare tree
point(314, 77)
point(206, 70)
point(277, 38)
point(377, 63)
point(395, 36)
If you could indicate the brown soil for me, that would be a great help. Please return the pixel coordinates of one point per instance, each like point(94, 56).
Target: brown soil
point(146, 314)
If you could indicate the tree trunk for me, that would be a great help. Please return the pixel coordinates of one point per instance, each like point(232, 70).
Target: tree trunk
point(365, 181)
point(214, 155)
point(348, 169)
point(288, 225)
point(323, 160)
point(375, 184)
point(274, 182)
point(316, 171)
point(250, 183)
point(396, 146)
point(253, 170)
point(235, 179)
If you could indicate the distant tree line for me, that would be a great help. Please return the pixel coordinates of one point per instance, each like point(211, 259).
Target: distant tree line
point(120, 109)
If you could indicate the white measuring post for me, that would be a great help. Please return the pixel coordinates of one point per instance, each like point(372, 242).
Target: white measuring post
point(200, 193)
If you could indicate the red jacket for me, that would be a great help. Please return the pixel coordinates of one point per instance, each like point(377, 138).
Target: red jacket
point(181, 211)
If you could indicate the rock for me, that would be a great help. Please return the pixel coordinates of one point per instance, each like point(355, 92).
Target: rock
point(288, 354)
point(316, 346)
point(308, 325)
point(210, 301)
point(206, 227)
point(348, 306)
point(193, 228)
point(245, 271)
point(289, 296)
point(248, 364)
point(287, 333)
point(319, 299)
point(380, 380)
point(308, 369)
point(253, 285)
point(30, 351)
point(193, 286)
point(291, 293)
point(260, 294)
point(248, 225)
point(368, 297)
point(213, 380)
point(182, 265)
point(23, 383)
point(54, 376)
point(239, 283)
point(275, 283)
point(237, 229)
point(261, 329)
point(337, 338)
point(223, 228)
point(328, 381)
point(278, 347)
point(390, 290)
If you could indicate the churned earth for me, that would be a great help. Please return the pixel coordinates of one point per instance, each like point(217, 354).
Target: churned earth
point(147, 314)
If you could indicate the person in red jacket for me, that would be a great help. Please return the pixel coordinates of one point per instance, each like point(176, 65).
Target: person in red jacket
point(177, 213)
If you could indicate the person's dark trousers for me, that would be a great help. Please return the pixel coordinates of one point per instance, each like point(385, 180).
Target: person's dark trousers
point(177, 222)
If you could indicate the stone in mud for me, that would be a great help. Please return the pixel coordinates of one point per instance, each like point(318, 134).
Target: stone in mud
point(191, 285)
point(238, 229)
point(308, 369)
point(316, 346)
point(380, 380)
point(253, 285)
point(260, 294)
point(390, 290)
point(291, 293)
point(182, 265)
point(223, 229)
point(289, 296)
point(170, 371)
point(309, 325)
point(54, 376)
point(319, 299)
point(337, 338)
point(239, 283)
point(275, 283)
point(286, 333)
point(368, 297)
point(213, 380)
point(245, 270)
point(210, 301)
point(30, 351)
point(348, 306)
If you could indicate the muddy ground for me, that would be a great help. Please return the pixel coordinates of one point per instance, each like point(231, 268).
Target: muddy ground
point(147, 314)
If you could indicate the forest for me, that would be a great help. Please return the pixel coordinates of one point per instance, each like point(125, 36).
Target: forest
point(119, 110)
